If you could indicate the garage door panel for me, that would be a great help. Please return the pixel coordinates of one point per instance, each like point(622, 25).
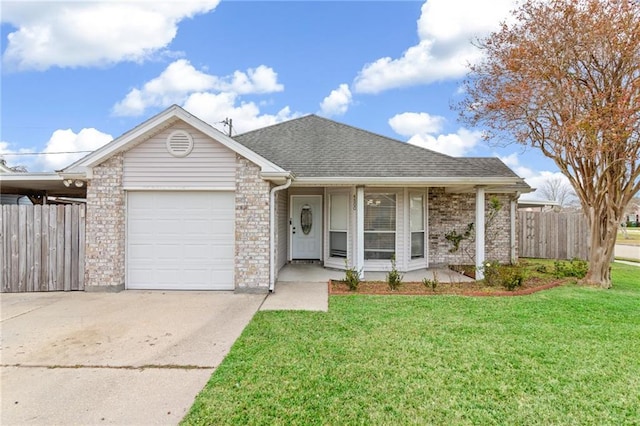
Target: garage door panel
point(180, 240)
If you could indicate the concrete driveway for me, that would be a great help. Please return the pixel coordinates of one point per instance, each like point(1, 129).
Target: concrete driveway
point(128, 358)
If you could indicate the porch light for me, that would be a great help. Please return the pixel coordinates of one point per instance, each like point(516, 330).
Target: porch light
point(68, 182)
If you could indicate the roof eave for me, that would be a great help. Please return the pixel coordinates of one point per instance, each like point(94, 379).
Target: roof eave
point(407, 181)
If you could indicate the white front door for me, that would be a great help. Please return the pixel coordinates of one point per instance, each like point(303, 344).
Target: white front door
point(306, 226)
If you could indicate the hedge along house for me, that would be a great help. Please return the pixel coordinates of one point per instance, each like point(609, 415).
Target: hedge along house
point(176, 204)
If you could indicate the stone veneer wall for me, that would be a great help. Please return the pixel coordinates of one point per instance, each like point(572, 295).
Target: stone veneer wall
point(252, 228)
point(449, 212)
point(105, 228)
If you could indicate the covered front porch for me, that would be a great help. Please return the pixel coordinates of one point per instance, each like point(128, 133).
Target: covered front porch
point(369, 228)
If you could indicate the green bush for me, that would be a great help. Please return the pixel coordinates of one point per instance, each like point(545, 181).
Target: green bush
point(431, 283)
point(574, 268)
point(541, 269)
point(508, 276)
point(394, 278)
point(351, 276)
point(490, 269)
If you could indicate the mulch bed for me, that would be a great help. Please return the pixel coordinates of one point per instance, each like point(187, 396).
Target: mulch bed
point(474, 288)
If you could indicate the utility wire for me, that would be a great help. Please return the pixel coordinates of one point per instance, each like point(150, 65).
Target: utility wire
point(43, 153)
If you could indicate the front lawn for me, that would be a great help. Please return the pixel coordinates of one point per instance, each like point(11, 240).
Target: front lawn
point(570, 355)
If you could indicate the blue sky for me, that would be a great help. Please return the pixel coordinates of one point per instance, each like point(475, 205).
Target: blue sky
point(77, 74)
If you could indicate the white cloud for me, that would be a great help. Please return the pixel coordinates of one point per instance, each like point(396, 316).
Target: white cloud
point(63, 148)
point(455, 144)
point(422, 130)
point(180, 79)
point(214, 108)
point(445, 29)
point(11, 160)
point(172, 86)
point(92, 33)
point(412, 123)
point(88, 139)
point(535, 178)
point(256, 80)
point(337, 102)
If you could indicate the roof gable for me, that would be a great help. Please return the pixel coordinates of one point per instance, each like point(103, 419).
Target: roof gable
point(156, 124)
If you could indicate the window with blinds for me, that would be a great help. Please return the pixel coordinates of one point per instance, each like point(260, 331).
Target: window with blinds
point(379, 225)
point(338, 224)
point(416, 219)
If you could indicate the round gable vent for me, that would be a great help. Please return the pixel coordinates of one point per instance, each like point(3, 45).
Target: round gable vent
point(179, 143)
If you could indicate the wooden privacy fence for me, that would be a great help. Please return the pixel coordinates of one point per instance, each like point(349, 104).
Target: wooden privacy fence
point(551, 235)
point(42, 248)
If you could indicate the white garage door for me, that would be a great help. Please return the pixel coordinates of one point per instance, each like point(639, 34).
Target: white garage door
point(180, 240)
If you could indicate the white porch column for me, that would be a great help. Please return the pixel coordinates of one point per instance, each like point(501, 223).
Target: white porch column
point(513, 230)
point(360, 230)
point(479, 232)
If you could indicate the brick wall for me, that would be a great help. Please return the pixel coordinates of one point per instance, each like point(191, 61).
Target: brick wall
point(498, 235)
point(105, 228)
point(449, 212)
point(252, 228)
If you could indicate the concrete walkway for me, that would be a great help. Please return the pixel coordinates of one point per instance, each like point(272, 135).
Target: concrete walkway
point(130, 358)
point(305, 287)
point(626, 262)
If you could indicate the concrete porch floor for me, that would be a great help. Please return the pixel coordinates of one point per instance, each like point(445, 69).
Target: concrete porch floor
point(316, 273)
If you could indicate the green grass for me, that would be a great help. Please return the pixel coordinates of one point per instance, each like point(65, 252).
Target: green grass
point(570, 355)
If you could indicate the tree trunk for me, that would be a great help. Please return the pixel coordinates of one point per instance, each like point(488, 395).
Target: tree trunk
point(603, 241)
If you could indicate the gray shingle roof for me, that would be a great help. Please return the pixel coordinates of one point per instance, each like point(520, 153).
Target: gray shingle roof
point(313, 146)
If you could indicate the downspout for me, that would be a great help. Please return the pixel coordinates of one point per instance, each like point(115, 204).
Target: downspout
point(272, 233)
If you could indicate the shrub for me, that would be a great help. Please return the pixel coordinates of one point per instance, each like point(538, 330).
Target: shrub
point(490, 269)
point(394, 278)
point(351, 276)
point(541, 269)
point(508, 276)
point(512, 276)
point(431, 283)
point(574, 268)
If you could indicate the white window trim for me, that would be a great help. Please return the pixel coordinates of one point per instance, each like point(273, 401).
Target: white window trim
point(421, 262)
point(338, 262)
point(383, 264)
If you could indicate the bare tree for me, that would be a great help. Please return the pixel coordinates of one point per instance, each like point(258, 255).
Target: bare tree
point(564, 77)
point(556, 189)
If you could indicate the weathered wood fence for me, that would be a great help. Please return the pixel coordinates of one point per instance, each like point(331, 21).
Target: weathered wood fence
point(42, 248)
point(551, 235)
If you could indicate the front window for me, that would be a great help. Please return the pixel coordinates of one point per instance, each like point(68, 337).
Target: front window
point(338, 222)
point(416, 217)
point(379, 225)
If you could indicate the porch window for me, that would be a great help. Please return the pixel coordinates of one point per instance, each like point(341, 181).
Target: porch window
point(379, 225)
point(338, 222)
point(416, 219)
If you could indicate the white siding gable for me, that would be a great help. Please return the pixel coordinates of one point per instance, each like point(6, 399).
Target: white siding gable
point(210, 165)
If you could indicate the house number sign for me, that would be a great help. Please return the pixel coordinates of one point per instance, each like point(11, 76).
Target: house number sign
point(306, 219)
